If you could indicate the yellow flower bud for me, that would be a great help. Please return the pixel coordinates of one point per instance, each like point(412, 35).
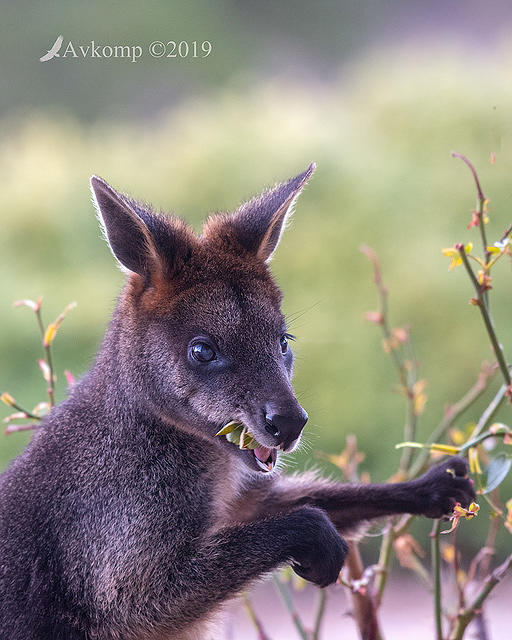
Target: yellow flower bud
point(8, 399)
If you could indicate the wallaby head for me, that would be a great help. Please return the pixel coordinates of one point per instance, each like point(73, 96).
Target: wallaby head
point(202, 340)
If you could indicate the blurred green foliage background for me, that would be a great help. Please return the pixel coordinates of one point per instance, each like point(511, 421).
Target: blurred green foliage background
point(378, 94)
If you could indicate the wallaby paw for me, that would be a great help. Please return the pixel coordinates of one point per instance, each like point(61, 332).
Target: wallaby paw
point(443, 486)
point(320, 554)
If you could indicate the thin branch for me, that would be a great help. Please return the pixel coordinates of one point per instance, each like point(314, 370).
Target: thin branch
point(482, 564)
point(455, 154)
point(254, 618)
point(465, 616)
point(406, 377)
point(319, 616)
point(403, 525)
point(489, 412)
point(506, 234)
point(28, 414)
point(48, 354)
point(451, 414)
point(383, 301)
point(456, 570)
point(480, 212)
point(385, 557)
point(498, 351)
point(409, 433)
point(436, 577)
point(493, 579)
point(14, 428)
point(482, 553)
point(288, 602)
point(364, 607)
point(490, 543)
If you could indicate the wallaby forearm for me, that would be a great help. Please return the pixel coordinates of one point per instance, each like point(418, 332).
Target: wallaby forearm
point(347, 505)
point(230, 559)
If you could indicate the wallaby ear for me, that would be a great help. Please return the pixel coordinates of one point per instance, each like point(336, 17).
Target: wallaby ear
point(125, 231)
point(259, 223)
point(156, 247)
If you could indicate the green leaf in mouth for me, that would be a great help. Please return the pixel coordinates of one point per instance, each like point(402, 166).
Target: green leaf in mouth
point(229, 428)
point(239, 435)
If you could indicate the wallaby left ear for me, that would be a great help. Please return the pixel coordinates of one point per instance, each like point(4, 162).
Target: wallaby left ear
point(259, 223)
point(143, 242)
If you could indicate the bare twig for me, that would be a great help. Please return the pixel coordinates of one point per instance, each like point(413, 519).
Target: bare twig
point(14, 428)
point(12, 403)
point(498, 351)
point(465, 616)
point(490, 412)
point(365, 610)
point(436, 578)
point(49, 360)
point(482, 563)
point(456, 570)
point(480, 211)
point(490, 543)
point(455, 154)
point(506, 234)
point(475, 563)
point(407, 375)
point(385, 557)
point(383, 310)
point(288, 602)
point(254, 618)
point(393, 532)
point(451, 414)
point(319, 616)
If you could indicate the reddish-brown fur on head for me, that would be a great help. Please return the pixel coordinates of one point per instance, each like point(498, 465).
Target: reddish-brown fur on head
point(204, 341)
point(213, 255)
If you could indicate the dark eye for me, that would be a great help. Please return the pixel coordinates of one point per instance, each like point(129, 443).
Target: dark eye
point(202, 352)
point(285, 338)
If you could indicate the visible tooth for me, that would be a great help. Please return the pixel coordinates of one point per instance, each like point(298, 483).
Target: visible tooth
point(241, 444)
point(261, 465)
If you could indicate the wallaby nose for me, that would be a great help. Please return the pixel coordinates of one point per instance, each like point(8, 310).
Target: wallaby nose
point(285, 426)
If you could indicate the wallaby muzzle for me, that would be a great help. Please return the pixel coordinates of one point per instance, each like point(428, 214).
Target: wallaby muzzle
point(285, 423)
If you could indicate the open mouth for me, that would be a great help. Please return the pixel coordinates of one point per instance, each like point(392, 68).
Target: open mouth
point(265, 458)
point(238, 434)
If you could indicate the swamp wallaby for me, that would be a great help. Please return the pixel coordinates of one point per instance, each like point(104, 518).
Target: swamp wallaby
point(126, 517)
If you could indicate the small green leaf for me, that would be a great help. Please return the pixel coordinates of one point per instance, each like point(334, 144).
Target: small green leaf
point(228, 428)
point(239, 436)
point(234, 436)
point(497, 471)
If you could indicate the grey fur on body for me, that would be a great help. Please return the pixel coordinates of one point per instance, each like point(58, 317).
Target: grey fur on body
point(125, 517)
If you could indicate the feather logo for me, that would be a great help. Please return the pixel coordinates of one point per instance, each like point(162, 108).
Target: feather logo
point(53, 52)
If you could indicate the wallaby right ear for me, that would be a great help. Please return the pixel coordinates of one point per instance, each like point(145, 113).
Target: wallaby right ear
point(125, 231)
point(257, 225)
